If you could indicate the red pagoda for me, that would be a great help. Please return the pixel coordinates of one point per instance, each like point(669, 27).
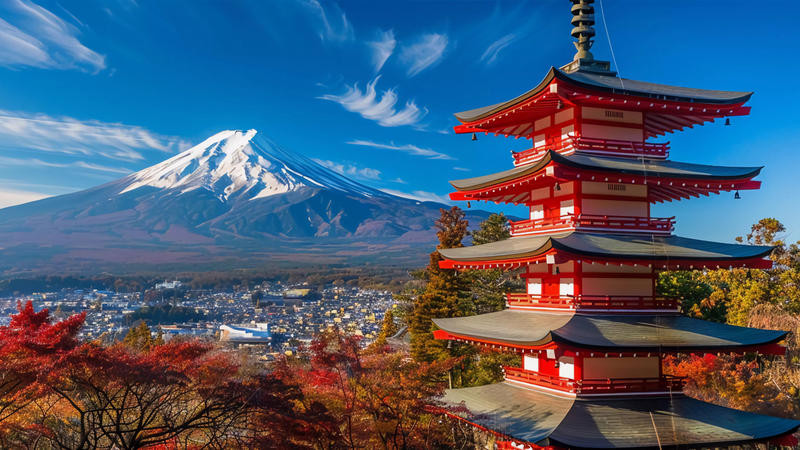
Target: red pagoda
point(590, 327)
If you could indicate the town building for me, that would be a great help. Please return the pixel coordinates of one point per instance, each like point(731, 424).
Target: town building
point(591, 328)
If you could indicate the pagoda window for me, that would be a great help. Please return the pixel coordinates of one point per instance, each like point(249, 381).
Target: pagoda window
point(567, 208)
point(618, 208)
point(566, 367)
point(567, 132)
point(602, 368)
point(531, 362)
point(543, 123)
point(563, 116)
point(638, 287)
point(614, 189)
point(537, 212)
point(564, 189)
point(534, 286)
point(611, 115)
point(539, 140)
point(613, 133)
point(540, 194)
point(566, 287)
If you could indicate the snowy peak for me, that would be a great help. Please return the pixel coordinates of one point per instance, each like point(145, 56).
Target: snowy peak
point(236, 163)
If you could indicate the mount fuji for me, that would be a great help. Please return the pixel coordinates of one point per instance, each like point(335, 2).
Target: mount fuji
point(235, 198)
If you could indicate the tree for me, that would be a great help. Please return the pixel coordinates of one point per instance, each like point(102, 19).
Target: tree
point(748, 297)
point(694, 294)
point(59, 392)
point(488, 287)
point(139, 337)
point(29, 344)
point(388, 328)
point(494, 228)
point(378, 398)
point(444, 294)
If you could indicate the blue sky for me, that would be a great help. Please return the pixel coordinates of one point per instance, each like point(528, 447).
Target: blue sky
point(93, 89)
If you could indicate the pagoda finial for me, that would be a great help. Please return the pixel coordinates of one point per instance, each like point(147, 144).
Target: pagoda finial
point(583, 31)
point(582, 21)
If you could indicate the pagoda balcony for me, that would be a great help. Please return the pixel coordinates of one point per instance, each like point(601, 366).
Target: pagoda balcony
point(606, 147)
point(587, 222)
point(604, 386)
point(592, 302)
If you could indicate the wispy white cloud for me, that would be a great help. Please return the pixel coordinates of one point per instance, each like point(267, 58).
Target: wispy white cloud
point(423, 53)
point(407, 148)
point(422, 196)
point(382, 48)
point(382, 111)
point(350, 170)
point(65, 135)
point(36, 162)
point(462, 169)
point(32, 36)
point(332, 22)
point(489, 56)
point(11, 197)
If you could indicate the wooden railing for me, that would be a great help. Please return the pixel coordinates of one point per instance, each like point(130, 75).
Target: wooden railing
point(597, 302)
point(589, 222)
point(608, 147)
point(526, 376)
point(666, 383)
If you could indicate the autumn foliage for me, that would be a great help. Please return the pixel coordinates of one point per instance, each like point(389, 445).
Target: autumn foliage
point(57, 391)
point(768, 299)
point(377, 398)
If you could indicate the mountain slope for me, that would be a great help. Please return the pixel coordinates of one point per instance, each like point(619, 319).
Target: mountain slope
point(234, 197)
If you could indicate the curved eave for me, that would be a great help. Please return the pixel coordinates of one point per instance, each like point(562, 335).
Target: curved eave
point(531, 330)
point(653, 169)
point(610, 84)
point(526, 415)
point(606, 247)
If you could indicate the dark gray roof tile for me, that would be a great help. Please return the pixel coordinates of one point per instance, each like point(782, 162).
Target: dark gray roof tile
point(631, 166)
point(536, 417)
point(651, 248)
point(607, 332)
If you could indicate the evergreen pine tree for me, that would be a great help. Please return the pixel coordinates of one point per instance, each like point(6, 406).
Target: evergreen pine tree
point(139, 338)
point(388, 328)
point(444, 295)
point(488, 287)
point(493, 229)
point(159, 340)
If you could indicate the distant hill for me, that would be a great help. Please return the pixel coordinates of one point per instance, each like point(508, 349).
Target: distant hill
point(235, 200)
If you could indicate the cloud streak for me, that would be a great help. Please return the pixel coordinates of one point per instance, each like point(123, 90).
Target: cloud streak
point(333, 24)
point(382, 111)
point(366, 173)
point(65, 135)
point(489, 56)
point(422, 196)
point(382, 49)
point(407, 148)
point(32, 36)
point(426, 51)
point(35, 162)
point(11, 197)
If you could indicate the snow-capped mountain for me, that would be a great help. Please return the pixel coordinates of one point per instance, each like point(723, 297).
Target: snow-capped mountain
point(232, 163)
point(236, 197)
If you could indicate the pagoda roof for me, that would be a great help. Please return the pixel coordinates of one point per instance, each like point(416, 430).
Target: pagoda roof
point(606, 246)
point(654, 168)
point(668, 333)
point(531, 416)
point(610, 83)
